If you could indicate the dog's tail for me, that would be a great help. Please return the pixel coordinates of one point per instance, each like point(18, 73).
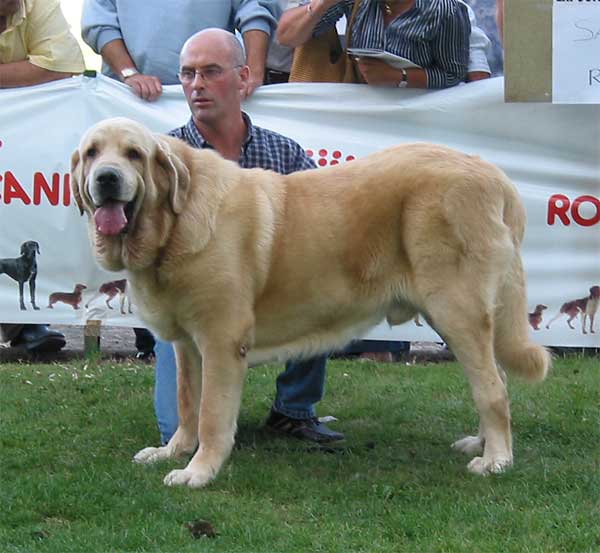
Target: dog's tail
point(513, 347)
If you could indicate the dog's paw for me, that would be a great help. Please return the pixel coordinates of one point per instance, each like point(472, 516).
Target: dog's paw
point(195, 478)
point(482, 466)
point(150, 455)
point(469, 445)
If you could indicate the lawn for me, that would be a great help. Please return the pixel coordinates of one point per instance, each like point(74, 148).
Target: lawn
point(67, 483)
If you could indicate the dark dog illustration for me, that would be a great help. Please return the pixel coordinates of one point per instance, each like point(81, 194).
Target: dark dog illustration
point(586, 306)
point(71, 298)
point(23, 269)
point(111, 289)
point(535, 318)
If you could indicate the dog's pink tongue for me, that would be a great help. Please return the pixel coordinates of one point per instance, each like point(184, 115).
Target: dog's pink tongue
point(110, 218)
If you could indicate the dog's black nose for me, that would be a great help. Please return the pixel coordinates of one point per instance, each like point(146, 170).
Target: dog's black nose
point(108, 180)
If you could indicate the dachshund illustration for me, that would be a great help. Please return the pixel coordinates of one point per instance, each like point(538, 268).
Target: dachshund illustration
point(71, 298)
point(23, 269)
point(586, 306)
point(535, 318)
point(111, 289)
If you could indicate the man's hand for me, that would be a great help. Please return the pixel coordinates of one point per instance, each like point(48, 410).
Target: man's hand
point(147, 87)
point(253, 83)
point(378, 72)
point(477, 76)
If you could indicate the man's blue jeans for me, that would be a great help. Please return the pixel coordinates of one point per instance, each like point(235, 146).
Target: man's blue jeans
point(299, 387)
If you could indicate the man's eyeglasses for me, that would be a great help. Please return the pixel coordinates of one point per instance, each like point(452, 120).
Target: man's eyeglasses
point(207, 74)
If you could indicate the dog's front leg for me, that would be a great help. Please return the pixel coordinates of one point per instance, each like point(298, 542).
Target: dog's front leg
point(189, 390)
point(223, 371)
point(21, 302)
point(32, 292)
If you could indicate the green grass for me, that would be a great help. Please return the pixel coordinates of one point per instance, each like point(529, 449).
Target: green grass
point(67, 483)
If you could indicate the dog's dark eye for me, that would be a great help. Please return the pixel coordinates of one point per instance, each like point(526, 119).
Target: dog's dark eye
point(133, 154)
point(91, 152)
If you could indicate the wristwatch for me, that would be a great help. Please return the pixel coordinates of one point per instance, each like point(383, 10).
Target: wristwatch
point(128, 72)
point(404, 81)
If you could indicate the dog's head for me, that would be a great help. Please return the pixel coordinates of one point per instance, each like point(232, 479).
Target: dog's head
point(79, 288)
point(30, 248)
point(595, 292)
point(131, 185)
point(540, 307)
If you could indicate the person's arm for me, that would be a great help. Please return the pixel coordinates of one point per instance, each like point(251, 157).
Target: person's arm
point(500, 19)
point(378, 72)
point(479, 68)
point(256, 20)
point(256, 44)
point(297, 24)
point(101, 31)
point(115, 54)
point(24, 73)
point(52, 51)
point(450, 50)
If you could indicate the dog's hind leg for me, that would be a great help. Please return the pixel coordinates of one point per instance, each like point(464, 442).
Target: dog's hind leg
point(571, 319)
point(189, 390)
point(467, 326)
point(93, 298)
point(557, 316)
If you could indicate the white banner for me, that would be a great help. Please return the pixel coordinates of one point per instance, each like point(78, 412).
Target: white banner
point(550, 151)
point(575, 64)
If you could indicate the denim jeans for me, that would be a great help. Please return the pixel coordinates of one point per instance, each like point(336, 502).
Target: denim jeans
point(299, 387)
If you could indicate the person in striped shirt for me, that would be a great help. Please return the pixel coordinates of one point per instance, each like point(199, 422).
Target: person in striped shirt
point(433, 34)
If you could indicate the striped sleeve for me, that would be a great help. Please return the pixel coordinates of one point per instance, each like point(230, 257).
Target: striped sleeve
point(450, 49)
point(332, 15)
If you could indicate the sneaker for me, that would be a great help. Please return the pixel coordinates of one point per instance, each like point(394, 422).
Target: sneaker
point(311, 429)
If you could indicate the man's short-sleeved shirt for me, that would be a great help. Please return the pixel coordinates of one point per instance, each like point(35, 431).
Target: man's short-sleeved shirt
point(39, 33)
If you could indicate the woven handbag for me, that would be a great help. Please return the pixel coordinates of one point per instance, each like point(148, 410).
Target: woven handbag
point(323, 60)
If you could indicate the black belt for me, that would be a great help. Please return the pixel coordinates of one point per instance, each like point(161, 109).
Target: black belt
point(273, 76)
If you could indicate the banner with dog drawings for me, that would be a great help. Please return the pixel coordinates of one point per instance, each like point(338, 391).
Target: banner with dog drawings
point(551, 152)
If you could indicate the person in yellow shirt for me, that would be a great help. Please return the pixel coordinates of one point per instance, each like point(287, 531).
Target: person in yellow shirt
point(36, 45)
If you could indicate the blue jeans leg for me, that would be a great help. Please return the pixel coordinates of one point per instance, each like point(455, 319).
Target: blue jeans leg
point(165, 390)
point(300, 386)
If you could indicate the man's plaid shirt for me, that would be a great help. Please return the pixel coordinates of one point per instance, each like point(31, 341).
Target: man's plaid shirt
point(262, 148)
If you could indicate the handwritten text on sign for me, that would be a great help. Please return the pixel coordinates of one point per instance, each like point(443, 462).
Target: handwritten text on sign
point(575, 52)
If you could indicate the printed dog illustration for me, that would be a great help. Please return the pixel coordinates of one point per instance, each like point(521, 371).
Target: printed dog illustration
point(587, 306)
point(535, 318)
point(236, 266)
point(70, 298)
point(23, 269)
point(111, 289)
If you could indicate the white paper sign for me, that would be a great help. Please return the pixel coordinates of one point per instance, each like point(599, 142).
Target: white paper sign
point(576, 52)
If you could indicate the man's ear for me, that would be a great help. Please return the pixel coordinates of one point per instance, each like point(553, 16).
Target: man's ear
point(177, 173)
point(76, 178)
point(244, 78)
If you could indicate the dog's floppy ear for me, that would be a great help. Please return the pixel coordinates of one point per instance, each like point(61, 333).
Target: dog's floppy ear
point(37, 247)
point(76, 178)
point(178, 174)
